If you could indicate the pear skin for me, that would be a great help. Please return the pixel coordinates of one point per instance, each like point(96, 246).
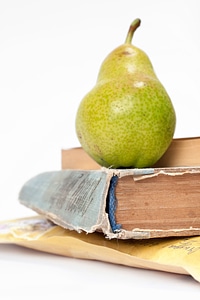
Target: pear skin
point(127, 120)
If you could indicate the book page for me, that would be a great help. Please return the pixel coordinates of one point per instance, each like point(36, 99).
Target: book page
point(175, 255)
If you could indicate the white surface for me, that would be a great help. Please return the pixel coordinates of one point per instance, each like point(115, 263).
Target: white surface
point(50, 54)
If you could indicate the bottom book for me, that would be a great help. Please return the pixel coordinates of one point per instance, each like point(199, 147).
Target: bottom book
point(122, 203)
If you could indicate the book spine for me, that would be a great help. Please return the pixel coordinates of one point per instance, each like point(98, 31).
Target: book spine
point(112, 204)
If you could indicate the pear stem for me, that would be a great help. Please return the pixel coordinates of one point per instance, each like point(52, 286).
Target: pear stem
point(134, 25)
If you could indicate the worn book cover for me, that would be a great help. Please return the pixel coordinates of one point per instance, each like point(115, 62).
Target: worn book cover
point(122, 203)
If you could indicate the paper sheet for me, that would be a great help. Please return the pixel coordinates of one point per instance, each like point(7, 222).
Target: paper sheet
point(175, 255)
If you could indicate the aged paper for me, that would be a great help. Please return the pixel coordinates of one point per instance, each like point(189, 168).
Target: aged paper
point(175, 255)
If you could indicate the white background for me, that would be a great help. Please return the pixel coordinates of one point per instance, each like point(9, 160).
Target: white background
point(50, 54)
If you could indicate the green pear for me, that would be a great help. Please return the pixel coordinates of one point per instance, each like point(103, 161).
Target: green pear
point(127, 120)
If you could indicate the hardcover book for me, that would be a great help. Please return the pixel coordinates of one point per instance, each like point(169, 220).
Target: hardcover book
point(161, 201)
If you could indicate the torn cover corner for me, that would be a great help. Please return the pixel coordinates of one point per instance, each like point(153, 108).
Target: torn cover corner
point(73, 199)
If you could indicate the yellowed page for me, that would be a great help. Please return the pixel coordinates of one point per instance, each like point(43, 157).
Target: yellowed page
point(176, 255)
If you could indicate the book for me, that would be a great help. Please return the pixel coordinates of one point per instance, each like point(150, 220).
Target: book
point(161, 201)
point(181, 152)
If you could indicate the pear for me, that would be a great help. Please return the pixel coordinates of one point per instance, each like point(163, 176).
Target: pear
point(127, 120)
